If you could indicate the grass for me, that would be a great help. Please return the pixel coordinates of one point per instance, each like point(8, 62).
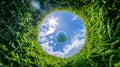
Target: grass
point(19, 25)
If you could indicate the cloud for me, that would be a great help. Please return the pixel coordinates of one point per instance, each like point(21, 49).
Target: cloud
point(69, 49)
point(50, 30)
point(51, 42)
point(74, 18)
point(73, 48)
point(35, 4)
point(83, 30)
point(46, 47)
point(45, 32)
point(51, 37)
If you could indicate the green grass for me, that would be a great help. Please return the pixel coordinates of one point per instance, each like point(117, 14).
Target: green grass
point(19, 25)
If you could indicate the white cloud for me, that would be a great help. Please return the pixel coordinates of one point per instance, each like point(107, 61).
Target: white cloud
point(74, 18)
point(46, 47)
point(74, 47)
point(51, 37)
point(51, 42)
point(45, 32)
point(83, 30)
point(50, 24)
point(41, 37)
point(69, 49)
point(50, 30)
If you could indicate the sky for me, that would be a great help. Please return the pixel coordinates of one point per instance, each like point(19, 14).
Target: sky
point(62, 22)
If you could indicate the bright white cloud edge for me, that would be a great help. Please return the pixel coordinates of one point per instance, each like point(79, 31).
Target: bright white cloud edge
point(74, 18)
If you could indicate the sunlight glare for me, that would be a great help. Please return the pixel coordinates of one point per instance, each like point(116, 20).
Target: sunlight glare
point(52, 21)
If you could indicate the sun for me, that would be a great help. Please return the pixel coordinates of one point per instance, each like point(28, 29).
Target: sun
point(52, 21)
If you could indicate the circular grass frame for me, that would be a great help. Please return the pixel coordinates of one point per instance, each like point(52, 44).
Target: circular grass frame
point(58, 10)
point(97, 31)
point(77, 13)
point(101, 19)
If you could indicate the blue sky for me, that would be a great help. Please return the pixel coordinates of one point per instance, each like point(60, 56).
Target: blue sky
point(66, 22)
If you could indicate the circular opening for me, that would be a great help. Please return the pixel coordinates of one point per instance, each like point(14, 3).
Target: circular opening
point(62, 34)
